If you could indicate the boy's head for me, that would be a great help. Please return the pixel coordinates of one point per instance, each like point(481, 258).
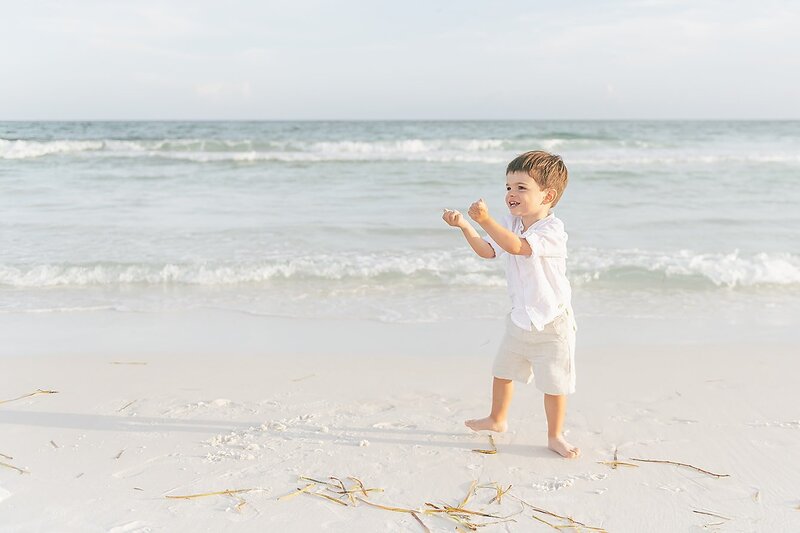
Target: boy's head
point(538, 169)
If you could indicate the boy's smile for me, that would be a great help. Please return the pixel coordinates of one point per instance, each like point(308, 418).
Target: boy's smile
point(524, 197)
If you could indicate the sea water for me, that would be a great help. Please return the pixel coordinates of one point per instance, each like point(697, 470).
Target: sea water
point(343, 219)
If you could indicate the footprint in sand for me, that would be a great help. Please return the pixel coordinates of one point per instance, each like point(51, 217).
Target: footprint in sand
point(550, 485)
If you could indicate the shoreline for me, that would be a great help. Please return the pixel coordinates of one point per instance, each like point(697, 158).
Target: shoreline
point(212, 332)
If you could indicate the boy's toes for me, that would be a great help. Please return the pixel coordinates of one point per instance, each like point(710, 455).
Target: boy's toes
point(563, 448)
point(574, 452)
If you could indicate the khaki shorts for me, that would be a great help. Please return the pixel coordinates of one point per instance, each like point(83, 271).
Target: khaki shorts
point(547, 356)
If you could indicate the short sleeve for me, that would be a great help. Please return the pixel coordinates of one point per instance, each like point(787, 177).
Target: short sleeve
point(505, 221)
point(549, 240)
point(498, 251)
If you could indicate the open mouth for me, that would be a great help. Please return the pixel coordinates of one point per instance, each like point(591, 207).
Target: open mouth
point(513, 204)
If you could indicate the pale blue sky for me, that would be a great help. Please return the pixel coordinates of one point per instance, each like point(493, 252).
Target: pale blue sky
point(348, 59)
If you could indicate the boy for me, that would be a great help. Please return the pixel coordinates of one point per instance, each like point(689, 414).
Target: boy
point(540, 329)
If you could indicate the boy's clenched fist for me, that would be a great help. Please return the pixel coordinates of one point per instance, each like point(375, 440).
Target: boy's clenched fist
point(454, 218)
point(478, 211)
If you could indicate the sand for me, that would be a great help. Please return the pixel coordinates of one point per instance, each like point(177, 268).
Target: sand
point(131, 424)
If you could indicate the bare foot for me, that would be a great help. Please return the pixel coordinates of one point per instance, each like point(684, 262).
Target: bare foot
point(488, 423)
point(562, 447)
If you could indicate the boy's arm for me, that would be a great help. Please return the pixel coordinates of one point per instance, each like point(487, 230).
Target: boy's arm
point(480, 246)
point(504, 238)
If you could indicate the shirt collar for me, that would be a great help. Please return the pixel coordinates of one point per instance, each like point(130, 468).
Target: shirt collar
point(535, 225)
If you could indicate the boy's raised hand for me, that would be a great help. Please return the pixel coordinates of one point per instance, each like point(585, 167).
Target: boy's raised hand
point(478, 211)
point(453, 218)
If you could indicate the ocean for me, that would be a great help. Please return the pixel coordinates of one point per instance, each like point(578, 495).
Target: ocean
point(343, 219)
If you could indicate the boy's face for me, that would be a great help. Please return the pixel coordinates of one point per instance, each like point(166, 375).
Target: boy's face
point(524, 196)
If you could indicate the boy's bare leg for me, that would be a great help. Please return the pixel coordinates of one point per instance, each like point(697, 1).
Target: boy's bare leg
point(555, 408)
point(502, 391)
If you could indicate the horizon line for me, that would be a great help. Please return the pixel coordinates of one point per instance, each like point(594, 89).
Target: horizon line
point(404, 120)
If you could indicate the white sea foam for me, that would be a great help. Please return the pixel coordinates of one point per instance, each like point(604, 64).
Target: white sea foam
point(437, 268)
point(583, 151)
point(33, 149)
point(618, 160)
point(244, 150)
point(437, 265)
point(724, 270)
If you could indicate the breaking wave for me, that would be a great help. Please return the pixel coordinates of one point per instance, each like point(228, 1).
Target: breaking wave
point(618, 268)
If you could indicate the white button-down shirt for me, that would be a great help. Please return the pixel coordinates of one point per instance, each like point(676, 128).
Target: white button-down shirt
point(537, 284)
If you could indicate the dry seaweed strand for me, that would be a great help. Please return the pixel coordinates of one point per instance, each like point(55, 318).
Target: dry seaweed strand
point(680, 464)
point(126, 406)
point(503, 521)
point(38, 391)
point(492, 451)
point(352, 491)
point(412, 512)
point(543, 521)
point(572, 521)
point(344, 489)
point(20, 470)
point(615, 464)
point(461, 516)
point(340, 502)
point(54, 444)
point(361, 486)
point(500, 493)
point(454, 517)
point(461, 510)
point(417, 518)
point(470, 492)
point(318, 481)
point(7, 456)
point(712, 514)
point(465, 523)
point(120, 453)
point(296, 492)
point(222, 492)
point(386, 507)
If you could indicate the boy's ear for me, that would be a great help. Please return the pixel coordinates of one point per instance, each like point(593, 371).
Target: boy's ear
point(549, 197)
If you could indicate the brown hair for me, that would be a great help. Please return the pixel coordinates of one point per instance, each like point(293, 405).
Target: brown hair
point(547, 170)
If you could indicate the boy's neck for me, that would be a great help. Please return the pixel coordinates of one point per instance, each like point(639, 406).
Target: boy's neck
point(528, 220)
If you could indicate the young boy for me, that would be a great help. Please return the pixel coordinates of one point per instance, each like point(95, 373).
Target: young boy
point(539, 341)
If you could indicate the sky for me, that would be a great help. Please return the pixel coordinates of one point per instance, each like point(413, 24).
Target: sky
point(373, 60)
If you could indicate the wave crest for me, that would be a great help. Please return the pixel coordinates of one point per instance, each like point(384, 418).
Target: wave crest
point(617, 268)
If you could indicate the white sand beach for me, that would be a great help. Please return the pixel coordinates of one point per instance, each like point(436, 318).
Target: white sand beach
point(141, 414)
